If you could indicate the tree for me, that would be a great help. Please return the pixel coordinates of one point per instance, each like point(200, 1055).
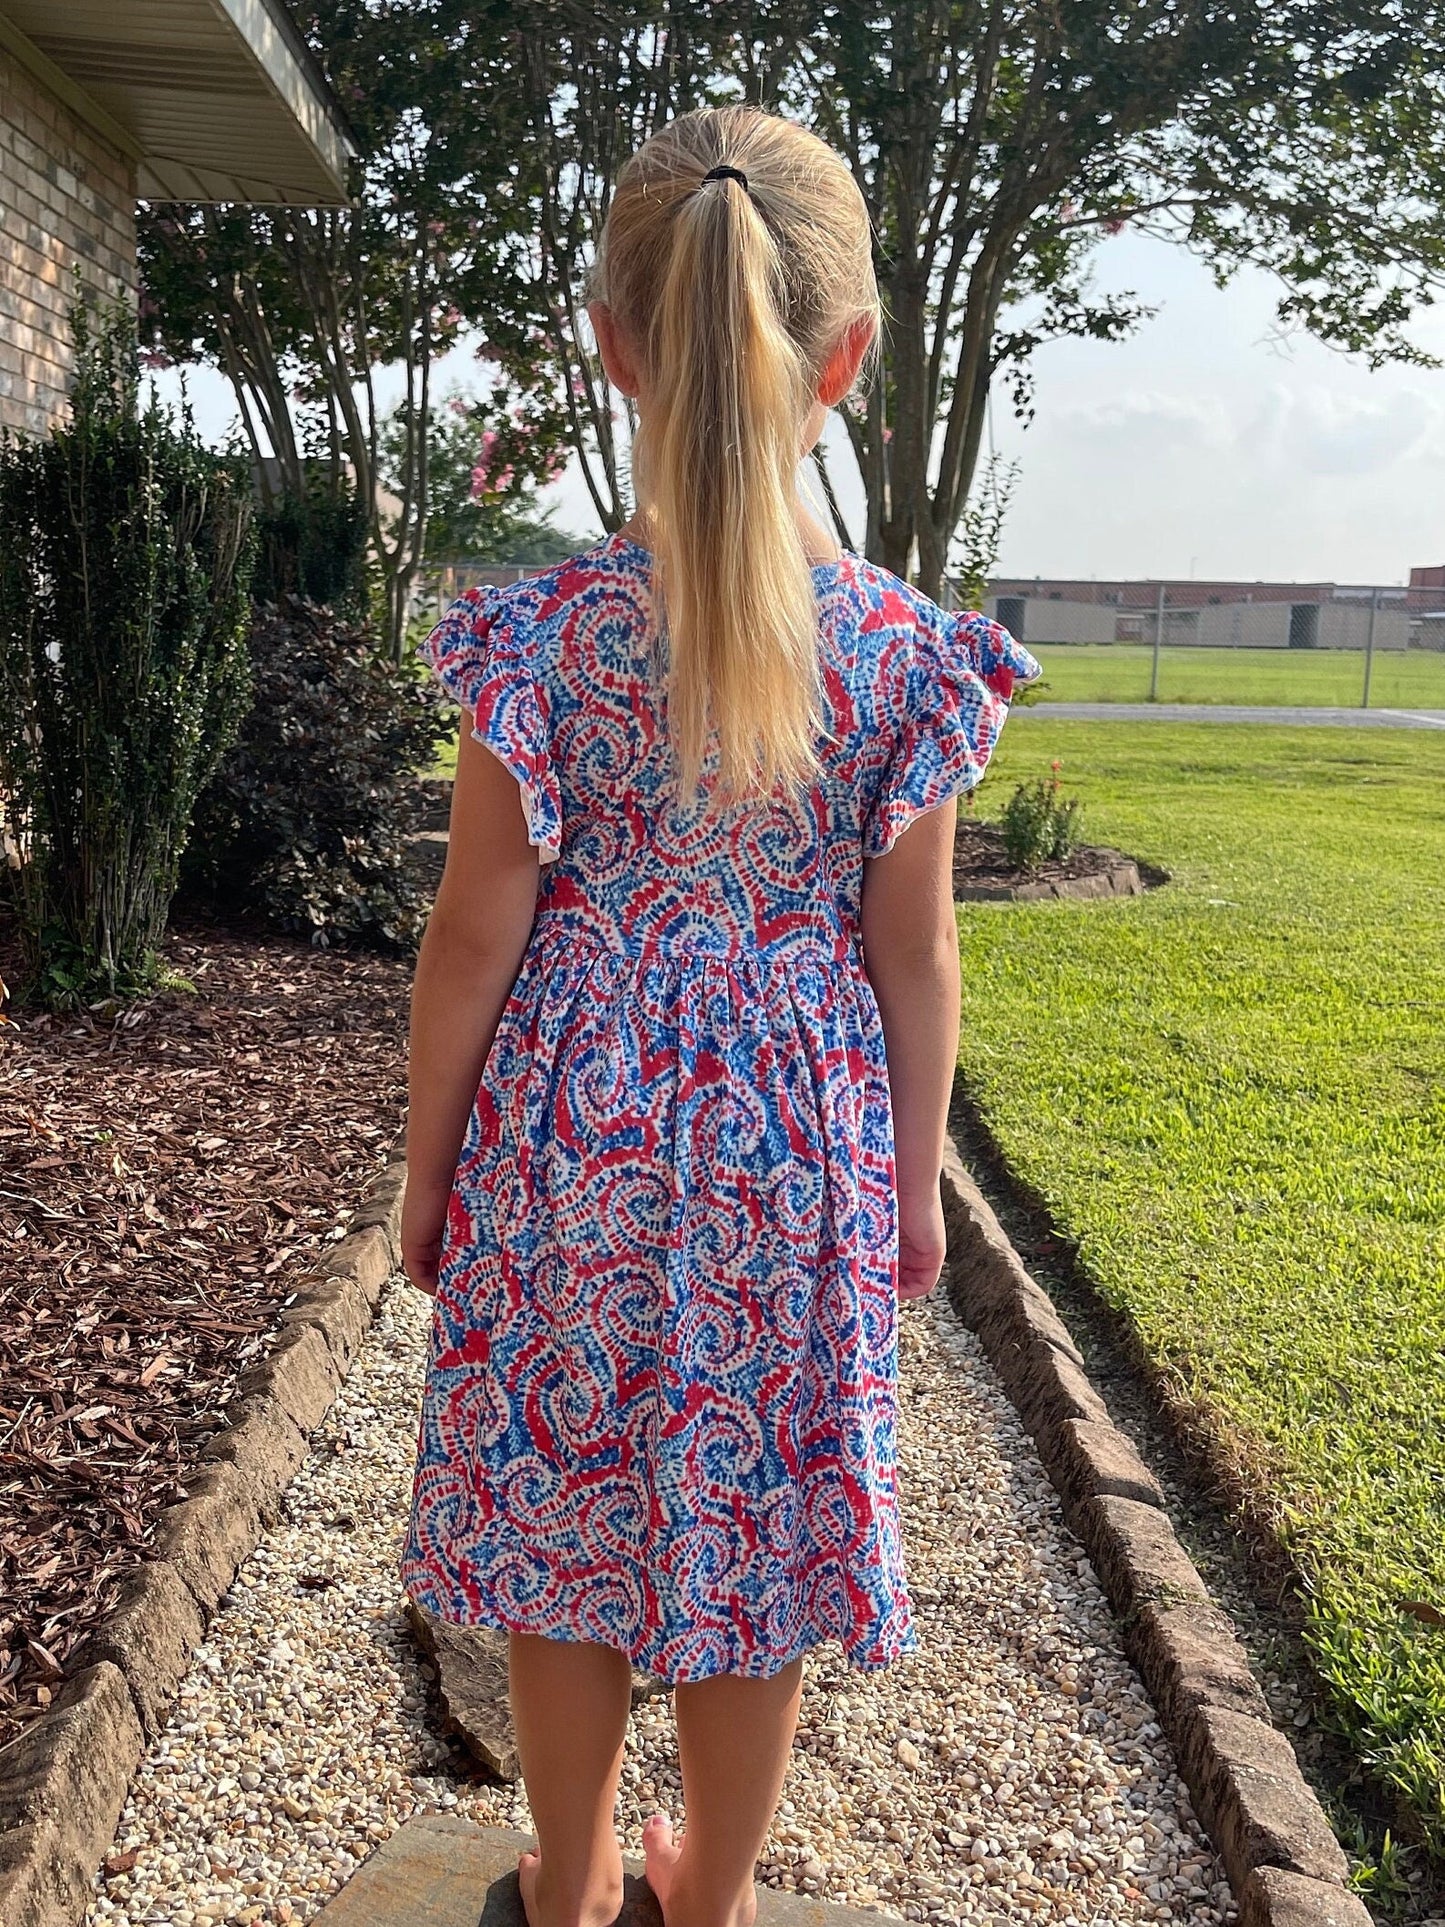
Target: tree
point(302, 307)
point(994, 143)
point(484, 461)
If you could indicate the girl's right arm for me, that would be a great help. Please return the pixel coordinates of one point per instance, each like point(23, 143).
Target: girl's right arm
point(474, 944)
point(910, 951)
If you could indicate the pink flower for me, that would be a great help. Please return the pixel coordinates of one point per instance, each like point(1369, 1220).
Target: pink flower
point(484, 481)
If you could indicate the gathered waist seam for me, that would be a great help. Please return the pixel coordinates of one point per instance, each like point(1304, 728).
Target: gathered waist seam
point(840, 946)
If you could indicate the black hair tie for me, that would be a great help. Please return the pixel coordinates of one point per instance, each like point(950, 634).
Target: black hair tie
point(727, 174)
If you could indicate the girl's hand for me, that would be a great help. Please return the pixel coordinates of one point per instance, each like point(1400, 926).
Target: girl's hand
point(423, 1223)
point(922, 1243)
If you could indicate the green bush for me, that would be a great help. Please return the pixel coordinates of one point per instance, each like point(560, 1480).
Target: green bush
point(308, 817)
point(314, 546)
point(125, 550)
point(1038, 825)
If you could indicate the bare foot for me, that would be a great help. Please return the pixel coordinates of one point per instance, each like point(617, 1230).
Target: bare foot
point(597, 1913)
point(662, 1854)
point(667, 1877)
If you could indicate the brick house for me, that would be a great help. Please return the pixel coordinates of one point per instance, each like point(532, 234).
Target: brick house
point(103, 103)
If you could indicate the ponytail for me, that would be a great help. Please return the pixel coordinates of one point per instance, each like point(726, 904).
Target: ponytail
point(736, 256)
point(718, 470)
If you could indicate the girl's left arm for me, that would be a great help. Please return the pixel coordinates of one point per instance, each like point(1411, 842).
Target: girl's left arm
point(474, 944)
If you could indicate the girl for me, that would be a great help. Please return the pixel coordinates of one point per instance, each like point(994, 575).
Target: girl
point(680, 1057)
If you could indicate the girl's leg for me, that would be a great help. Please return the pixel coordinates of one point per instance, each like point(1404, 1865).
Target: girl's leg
point(733, 1739)
point(570, 1703)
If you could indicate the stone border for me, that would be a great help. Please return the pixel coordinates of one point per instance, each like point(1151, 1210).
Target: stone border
point(1121, 879)
point(1283, 1860)
point(64, 1781)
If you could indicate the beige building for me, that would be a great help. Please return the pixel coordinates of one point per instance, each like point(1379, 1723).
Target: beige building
point(103, 102)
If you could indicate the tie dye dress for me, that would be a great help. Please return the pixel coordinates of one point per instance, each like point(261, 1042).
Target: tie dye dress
point(660, 1402)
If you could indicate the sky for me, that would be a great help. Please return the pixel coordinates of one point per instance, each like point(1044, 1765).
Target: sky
point(1202, 446)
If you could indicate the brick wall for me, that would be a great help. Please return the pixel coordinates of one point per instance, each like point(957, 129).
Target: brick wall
point(67, 202)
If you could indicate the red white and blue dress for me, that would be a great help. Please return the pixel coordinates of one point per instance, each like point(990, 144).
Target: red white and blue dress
point(660, 1401)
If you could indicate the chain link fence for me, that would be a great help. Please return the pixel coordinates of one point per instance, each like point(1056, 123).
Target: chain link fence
point(1291, 644)
point(1371, 645)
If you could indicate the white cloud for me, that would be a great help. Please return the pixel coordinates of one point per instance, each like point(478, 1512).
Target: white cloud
point(1340, 434)
point(1147, 419)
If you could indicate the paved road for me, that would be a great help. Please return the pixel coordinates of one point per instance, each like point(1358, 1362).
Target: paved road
point(1235, 713)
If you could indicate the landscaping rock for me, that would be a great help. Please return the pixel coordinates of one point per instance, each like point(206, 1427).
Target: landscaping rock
point(367, 1257)
point(149, 1636)
point(439, 1871)
point(1135, 1553)
point(1253, 1798)
point(381, 1212)
point(471, 1668)
point(1191, 1657)
point(62, 1787)
point(1096, 1460)
point(471, 1663)
point(1241, 1771)
point(339, 1309)
point(300, 1374)
point(265, 1445)
point(1273, 1897)
point(210, 1532)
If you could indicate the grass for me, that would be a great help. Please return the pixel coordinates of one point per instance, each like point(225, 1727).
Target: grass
point(1231, 1095)
point(1120, 673)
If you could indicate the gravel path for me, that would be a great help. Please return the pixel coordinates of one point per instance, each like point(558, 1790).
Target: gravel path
point(1011, 1771)
point(1278, 715)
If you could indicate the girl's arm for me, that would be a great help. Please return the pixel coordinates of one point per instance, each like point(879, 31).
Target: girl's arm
point(474, 943)
point(910, 950)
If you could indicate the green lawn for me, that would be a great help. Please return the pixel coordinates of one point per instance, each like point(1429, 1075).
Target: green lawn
point(1120, 673)
point(1231, 1094)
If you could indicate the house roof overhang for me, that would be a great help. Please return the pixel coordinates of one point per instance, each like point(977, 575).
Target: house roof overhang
point(214, 100)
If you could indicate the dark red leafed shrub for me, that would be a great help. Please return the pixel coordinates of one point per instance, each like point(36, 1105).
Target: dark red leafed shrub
point(308, 818)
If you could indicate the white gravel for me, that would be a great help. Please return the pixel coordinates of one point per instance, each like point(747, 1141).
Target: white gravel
point(1013, 1770)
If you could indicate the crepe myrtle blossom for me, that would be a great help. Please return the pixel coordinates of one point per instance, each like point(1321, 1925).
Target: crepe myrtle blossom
point(487, 478)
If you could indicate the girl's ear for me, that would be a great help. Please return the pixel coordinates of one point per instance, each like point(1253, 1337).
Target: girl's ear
point(840, 371)
point(617, 357)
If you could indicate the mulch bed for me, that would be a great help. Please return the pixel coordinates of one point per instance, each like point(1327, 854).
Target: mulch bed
point(166, 1178)
point(981, 862)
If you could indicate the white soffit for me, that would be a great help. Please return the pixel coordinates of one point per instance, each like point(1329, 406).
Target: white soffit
point(219, 100)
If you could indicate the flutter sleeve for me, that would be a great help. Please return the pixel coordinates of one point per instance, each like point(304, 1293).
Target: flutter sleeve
point(477, 655)
point(962, 678)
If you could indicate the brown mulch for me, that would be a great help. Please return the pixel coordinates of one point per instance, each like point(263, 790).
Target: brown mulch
point(980, 861)
point(166, 1179)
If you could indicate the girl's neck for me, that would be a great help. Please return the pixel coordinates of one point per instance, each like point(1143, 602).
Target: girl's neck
point(818, 543)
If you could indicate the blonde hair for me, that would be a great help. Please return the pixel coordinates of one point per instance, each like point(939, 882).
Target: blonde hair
point(734, 294)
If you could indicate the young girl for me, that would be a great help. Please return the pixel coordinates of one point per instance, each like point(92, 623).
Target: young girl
point(680, 1056)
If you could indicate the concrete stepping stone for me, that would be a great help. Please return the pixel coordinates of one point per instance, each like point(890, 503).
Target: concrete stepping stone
point(439, 1871)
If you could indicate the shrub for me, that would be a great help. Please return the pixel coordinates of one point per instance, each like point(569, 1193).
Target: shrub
point(1038, 825)
point(124, 557)
point(308, 817)
point(313, 545)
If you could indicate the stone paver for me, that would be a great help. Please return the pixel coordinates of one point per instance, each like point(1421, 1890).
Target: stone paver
point(439, 1871)
point(1013, 1770)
